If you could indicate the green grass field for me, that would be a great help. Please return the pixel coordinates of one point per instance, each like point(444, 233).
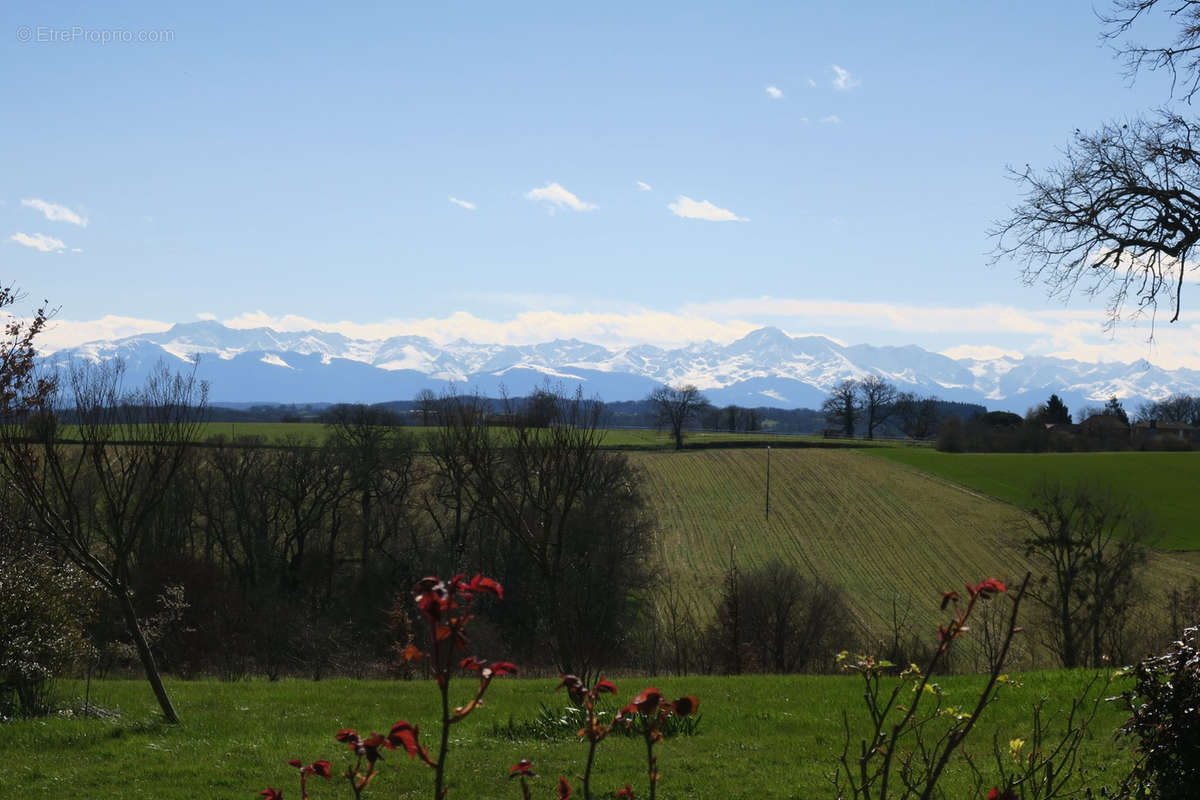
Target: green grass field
point(617, 438)
point(760, 737)
point(1165, 483)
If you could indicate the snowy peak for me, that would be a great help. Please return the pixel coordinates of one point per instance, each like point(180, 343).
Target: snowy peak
point(765, 367)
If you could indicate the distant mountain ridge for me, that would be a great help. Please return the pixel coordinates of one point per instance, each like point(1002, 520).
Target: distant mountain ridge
point(766, 367)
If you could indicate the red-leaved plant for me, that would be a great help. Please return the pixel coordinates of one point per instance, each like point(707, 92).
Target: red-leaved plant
point(446, 606)
point(652, 709)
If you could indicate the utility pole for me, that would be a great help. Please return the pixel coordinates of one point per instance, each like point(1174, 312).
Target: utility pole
point(768, 482)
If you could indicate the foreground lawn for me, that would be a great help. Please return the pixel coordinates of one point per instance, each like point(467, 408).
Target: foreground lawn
point(760, 737)
point(1163, 482)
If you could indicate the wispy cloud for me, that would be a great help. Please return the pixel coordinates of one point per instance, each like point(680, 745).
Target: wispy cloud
point(688, 208)
point(469, 206)
point(558, 197)
point(774, 92)
point(643, 186)
point(39, 241)
point(832, 119)
point(843, 81)
point(812, 84)
point(55, 212)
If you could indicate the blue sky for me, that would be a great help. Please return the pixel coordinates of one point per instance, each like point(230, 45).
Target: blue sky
point(626, 172)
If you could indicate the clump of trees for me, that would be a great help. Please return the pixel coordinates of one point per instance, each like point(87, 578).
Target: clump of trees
point(777, 619)
point(876, 403)
point(1045, 427)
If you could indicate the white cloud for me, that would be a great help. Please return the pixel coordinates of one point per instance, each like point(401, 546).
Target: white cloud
point(469, 206)
point(688, 208)
point(62, 333)
point(55, 212)
point(832, 119)
point(774, 92)
point(39, 241)
point(643, 186)
point(558, 197)
point(206, 316)
point(843, 81)
point(812, 84)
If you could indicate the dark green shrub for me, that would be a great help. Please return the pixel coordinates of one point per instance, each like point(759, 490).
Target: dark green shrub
point(1164, 722)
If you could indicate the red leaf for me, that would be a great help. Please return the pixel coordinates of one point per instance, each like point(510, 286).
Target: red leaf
point(295, 762)
point(504, 668)
point(271, 794)
point(473, 664)
point(571, 683)
point(405, 735)
point(626, 792)
point(686, 706)
point(647, 702)
point(522, 767)
point(603, 686)
point(322, 768)
point(948, 598)
point(481, 584)
point(564, 789)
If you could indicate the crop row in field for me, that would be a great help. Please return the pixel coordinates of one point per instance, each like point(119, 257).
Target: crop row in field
point(1163, 483)
point(893, 538)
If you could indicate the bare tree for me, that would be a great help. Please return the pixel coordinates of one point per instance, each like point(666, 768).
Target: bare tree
point(1090, 546)
point(1180, 58)
point(877, 399)
point(576, 511)
point(1120, 215)
point(427, 406)
point(676, 407)
point(841, 407)
point(95, 498)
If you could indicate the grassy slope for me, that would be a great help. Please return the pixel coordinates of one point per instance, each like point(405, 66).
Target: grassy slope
point(1164, 482)
point(878, 529)
point(624, 439)
point(761, 737)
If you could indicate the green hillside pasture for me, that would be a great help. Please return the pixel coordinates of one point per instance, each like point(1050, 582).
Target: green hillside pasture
point(893, 538)
point(614, 438)
point(759, 737)
point(1165, 483)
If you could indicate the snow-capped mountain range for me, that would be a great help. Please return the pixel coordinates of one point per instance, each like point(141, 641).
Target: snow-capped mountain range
point(767, 367)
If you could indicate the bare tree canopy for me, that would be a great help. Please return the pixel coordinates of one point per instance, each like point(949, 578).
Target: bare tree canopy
point(1180, 58)
point(95, 499)
point(677, 406)
point(841, 407)
point(877, 399)
point(1120, 215)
